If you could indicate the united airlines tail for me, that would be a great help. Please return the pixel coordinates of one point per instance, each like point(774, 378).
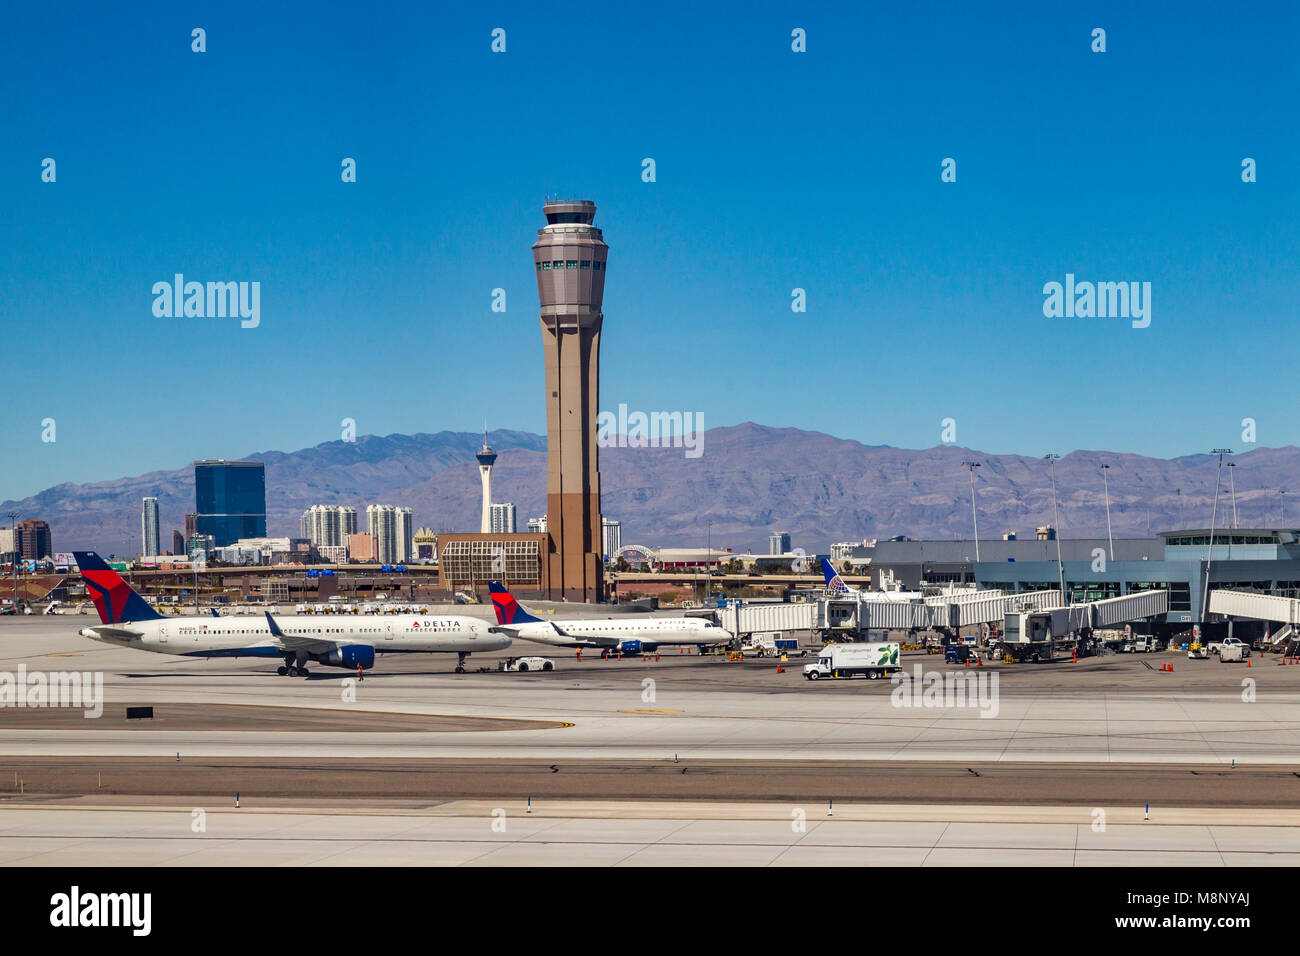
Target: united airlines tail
point(508, 609)
point(114, 599)
point(833, 581)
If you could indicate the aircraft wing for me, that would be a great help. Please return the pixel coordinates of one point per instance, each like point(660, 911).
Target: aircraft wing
point(291, 642)
point(591, 640)
point(595, 640)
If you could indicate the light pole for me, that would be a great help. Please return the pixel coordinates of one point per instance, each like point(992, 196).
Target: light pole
point(1056, 525)
point(1233, 485)
point(971, 466)
point(13, 543)
point(708, 559)
point(1105, 483)
point(1214, 515)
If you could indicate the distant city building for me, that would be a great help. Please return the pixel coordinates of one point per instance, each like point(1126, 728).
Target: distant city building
point(848, 550)
point(611, 536)
point(199, 546)
point(191, 525)
point(361, 547)
point(778, 542)
point(692, 559)
point(503, 518)
point(150, 537)
point(332, 554)
point(328, 526)
point(537, 525)
point(32, 540)
point(230, 499)
point(424, 546)
point(275, 550)
point(6, 543)
point(393, 529)
point(1044, 533)
point(178, 543)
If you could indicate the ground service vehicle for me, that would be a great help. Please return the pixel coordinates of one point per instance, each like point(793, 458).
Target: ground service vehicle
point(526, 664)
point(960, 654)
point(1233, 649)
point(871, 660)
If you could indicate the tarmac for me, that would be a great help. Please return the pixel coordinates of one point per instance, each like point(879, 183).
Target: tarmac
point(681, 732)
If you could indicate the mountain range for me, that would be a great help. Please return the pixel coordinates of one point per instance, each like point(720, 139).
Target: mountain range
point(749, 481)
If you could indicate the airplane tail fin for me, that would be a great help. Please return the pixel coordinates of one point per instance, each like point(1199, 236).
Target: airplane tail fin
point(114, 599)
point(509, 611)
point(833, 580)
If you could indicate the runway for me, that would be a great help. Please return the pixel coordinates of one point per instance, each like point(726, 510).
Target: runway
point(484, 833)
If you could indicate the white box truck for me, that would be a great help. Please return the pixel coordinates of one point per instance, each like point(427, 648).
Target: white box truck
point(870, 659)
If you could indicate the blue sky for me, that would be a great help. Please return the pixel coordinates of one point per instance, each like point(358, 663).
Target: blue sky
point(775, 170)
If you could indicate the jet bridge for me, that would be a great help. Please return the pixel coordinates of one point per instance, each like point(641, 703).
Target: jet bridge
point(1261, 607)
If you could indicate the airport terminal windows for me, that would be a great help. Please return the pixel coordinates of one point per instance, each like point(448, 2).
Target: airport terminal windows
point(1082, 592)
point(1203, 540)
point(1180, 592)
point(1026, 586)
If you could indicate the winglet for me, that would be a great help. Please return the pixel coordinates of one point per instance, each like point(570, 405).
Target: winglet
point(275, 628)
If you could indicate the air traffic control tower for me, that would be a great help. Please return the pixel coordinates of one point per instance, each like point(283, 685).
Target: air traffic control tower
point(570, 255)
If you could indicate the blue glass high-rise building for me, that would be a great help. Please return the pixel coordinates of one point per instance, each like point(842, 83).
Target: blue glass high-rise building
point(230, 498)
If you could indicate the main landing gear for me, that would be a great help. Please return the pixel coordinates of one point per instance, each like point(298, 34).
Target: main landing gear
point(460, 663)
point(291, 668)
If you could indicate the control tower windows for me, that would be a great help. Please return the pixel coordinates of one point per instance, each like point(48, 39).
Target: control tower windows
point(586, 264)
point(571, 264)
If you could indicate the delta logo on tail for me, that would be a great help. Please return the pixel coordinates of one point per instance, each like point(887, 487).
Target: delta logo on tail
point(113, 597)
point(833, 580)
point(507, 608)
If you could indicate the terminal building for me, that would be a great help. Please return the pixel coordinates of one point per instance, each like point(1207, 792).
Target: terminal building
point(1266, 560)
point(1243, 559)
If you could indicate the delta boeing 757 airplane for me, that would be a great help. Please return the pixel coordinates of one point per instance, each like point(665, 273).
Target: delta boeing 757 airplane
point(127, 620)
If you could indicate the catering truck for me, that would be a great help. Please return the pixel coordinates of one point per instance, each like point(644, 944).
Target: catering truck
point(871, 659)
